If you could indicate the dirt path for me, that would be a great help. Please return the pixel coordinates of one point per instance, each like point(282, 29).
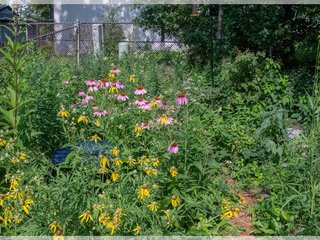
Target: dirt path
point(245, 219)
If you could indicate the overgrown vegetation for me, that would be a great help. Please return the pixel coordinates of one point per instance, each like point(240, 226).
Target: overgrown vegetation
point(150, 145)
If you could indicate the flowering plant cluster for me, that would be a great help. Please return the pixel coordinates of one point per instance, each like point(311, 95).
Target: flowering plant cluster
point(16, 200)
point(117, 101)
point(147, 181)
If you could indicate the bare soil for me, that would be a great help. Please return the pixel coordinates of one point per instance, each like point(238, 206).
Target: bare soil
point(245, 220)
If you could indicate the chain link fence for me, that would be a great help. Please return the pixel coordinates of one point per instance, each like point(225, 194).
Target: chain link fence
point(78, 39)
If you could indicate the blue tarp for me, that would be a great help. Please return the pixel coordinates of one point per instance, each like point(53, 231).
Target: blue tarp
point(91, 149)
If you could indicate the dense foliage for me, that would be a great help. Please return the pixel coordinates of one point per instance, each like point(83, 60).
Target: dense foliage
point(287, 32)
point(153, 146)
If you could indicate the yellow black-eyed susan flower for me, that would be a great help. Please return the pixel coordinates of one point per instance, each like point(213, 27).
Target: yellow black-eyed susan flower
point(173, 171)
point(117, 162)
point(175, 200)
point(132, 78)
point(156, 162)
point(95, 138)
point(86, 216)
point(114, 176)
point(3, 142)
point(115, 151)
point(131, 161)
point(153, 206)
point(137, 230)
point(63, 113)
point(54, 226)
point(143, 192)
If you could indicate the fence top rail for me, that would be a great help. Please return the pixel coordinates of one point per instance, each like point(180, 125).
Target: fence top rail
point(53, 23)
point(52, 33)
point(150, 42)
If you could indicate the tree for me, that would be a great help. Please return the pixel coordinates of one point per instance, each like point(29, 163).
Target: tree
point(278, 30)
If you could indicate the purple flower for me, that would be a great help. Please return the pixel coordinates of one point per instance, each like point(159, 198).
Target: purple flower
point(115, 70)
point(87, 99)
point(182, 99)
point(91, 82)
point(146, 106)
point(95, 107)
point(97, 114)
point(104, 112)
point(119, 85)
point(145, 126)
point(81, 94)
point(173, 148)
point(104, 83)
point(93, 89)
point(122, 96)
point(140, 91)
point(140, 102)
point(163, 105)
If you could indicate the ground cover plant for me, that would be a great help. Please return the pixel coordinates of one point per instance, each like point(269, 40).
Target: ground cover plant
point(153, 148)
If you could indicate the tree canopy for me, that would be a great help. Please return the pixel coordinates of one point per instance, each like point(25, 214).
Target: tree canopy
point(287, 32)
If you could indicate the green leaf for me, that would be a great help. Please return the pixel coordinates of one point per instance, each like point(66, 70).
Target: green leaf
point(12, 96)
point(5, 100)
point(8, 116)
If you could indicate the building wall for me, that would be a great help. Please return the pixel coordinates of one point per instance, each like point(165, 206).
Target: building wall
point(92, 12)
point(97, 13)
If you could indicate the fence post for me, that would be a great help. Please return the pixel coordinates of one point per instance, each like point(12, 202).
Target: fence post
point(78, 43)
point(102, 39)
point(162, 44)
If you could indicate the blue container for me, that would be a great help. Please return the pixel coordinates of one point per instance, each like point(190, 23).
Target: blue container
point(59, 155)
point(91, 149)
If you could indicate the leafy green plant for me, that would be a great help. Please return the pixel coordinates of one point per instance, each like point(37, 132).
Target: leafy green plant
point(113, 33)
point(14, 106)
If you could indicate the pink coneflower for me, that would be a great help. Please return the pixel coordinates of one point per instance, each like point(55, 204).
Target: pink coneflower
point(163, 105)
point(115, 70)
point(146, 106)
point(95, 107)
point(122, 96)
point(91, 82)
point(93, 89)
point(101, 113)
point(157, 99)
point(119, 85)
point(104, 112)
point(140, 90)
point(97, 114)
point(145, 125)
point(87, 99)
point(81, 94)
point(173, 148)
point(182, 99)
point(140, 102)
point(104, 83)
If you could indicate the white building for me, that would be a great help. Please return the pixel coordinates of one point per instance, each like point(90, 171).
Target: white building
point(92, 34)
